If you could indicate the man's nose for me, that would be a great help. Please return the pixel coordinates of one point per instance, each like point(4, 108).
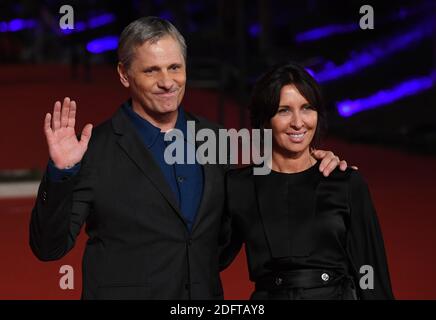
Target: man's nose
point(165, 81)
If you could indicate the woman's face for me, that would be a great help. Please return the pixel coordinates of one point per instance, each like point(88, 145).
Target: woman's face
point(294, 124)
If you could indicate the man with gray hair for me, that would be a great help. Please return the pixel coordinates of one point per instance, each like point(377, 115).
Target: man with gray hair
point(154, 228)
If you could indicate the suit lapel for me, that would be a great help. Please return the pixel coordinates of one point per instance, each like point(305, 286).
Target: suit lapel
point(132, 145)
point(210, 172)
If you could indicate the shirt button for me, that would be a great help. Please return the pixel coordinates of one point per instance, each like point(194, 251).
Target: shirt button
point(279, 281)
point(180, 179)
point(325, 277)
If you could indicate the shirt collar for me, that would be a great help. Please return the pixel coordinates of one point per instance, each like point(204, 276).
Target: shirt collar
point(148, 132)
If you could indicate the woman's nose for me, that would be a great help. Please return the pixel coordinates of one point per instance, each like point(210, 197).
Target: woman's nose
point(296, 121)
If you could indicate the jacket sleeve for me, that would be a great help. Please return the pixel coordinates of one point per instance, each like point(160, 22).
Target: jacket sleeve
point(230, 240)
point(59, 212)
point(365, 244)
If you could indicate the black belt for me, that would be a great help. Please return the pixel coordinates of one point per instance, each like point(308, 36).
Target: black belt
point(301, 278)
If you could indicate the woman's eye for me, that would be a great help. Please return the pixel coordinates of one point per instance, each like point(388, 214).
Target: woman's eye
point(307, 107)
point(283, 110)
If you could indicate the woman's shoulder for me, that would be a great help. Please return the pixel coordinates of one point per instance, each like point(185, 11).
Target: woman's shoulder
point(352, 178)
point(350, 174)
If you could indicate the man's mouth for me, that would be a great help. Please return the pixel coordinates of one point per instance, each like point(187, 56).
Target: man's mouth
point(166, 94)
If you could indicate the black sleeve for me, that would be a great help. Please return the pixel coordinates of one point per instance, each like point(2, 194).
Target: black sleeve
point(365, 244)
point(230, 239)
point(231, 243)
point(60, 211)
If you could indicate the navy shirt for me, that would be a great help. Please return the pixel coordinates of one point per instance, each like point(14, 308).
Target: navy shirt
point(185, 180)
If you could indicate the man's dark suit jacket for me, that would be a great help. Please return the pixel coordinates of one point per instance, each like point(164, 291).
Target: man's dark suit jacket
point(139, 246)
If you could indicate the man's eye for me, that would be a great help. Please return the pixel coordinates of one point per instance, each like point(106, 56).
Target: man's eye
point(175, 67)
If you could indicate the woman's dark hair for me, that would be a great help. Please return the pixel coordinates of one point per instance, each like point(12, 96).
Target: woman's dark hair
point(266, 96)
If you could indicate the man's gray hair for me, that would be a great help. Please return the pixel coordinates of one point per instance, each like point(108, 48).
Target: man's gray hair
point(142, 30)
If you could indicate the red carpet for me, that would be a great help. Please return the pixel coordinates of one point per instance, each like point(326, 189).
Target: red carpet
point(402, 186)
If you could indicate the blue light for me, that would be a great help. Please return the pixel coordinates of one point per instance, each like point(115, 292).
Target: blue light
point(101, 20)
point(254, 30)
point(347, 108)
point(92, 23)
point(310, 71)
point(3, 27)
point(326, 31)
point(17, 25)
point(335, 29)
point(100, 45)
point(80, 26)
point(376, 52)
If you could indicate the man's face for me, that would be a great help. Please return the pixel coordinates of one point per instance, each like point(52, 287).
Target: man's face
point(157, 76)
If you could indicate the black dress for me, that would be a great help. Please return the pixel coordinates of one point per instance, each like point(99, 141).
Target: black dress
point(307, 236)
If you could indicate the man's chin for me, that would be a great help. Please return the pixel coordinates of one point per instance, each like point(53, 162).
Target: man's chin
point(170, 108)
point(167, 109)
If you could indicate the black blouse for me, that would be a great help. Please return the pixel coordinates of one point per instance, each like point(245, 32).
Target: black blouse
point(306, 221)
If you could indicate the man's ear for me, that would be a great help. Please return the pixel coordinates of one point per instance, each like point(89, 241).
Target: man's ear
point(122, 72)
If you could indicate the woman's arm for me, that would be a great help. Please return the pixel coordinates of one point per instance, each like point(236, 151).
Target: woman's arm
point(365, 244)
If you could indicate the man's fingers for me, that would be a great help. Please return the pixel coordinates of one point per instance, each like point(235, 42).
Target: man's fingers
point(325, 156)
point(319, 154)
point(86, 135)
point(331, 163)
point(56, 116)
point(329, 168)
point(47, 126)
point(64, 112)
point(72, 115)
point(343, 165)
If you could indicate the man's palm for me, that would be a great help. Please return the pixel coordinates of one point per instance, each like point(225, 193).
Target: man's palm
point(65, 149)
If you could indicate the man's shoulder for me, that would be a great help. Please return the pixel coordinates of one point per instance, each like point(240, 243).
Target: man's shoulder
point(110, 126)
point(102, 129)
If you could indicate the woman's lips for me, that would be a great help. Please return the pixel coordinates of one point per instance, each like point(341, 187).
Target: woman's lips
point(296, 137)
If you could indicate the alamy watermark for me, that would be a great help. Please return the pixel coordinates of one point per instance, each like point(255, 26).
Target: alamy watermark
point(66, 282)
point(367, 280)
point(367, 20)
point(221, 148)
point(67, 20)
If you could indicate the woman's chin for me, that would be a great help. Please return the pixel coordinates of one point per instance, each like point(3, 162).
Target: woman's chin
point(297, 148)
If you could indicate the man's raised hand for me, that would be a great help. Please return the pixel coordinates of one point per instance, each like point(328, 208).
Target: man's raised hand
point(64, 148)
